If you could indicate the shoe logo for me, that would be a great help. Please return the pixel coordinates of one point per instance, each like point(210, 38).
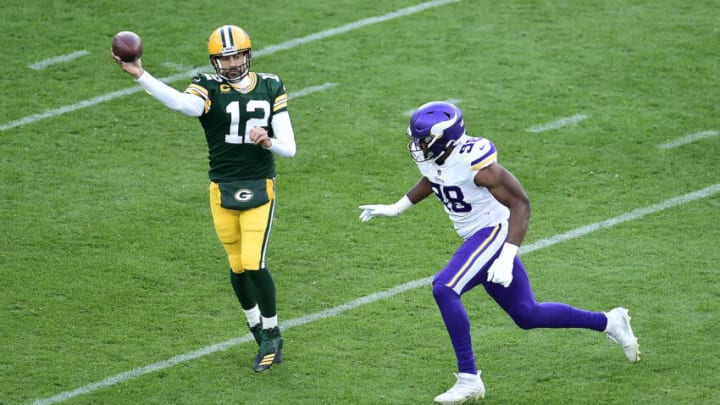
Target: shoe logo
point(268, 359)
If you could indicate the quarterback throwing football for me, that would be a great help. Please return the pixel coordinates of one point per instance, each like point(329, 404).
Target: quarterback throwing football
point(490, 211)
point(246, 122)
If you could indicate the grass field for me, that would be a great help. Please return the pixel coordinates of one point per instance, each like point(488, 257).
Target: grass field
point(115, 289)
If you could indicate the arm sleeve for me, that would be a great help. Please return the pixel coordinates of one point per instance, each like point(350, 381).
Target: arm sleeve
point(283, 144)
point(184, 103)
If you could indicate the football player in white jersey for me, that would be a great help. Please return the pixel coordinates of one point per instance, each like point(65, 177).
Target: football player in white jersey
point(490, 211)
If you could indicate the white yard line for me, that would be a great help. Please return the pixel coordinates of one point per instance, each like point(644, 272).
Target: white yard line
point(262, 52)
point(368, 299)
point(312, 89)
point(688, 139)
point(177, 67)
point(562, 122)
point(58, 59)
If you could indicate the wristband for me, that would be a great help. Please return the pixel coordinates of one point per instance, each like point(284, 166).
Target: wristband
point(510, 249)
point(403, 204)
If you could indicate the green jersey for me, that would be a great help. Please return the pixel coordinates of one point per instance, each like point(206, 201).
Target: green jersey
point(231, 111)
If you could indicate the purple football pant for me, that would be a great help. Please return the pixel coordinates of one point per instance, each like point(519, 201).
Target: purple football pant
point(468, 268)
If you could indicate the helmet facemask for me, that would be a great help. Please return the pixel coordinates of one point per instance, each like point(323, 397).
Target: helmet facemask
point(424, 148)
point(235, 73)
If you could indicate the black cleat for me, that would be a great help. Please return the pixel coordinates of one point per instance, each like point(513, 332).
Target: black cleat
point(270, 351)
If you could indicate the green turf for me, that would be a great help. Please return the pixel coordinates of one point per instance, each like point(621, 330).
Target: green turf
point(109, 262)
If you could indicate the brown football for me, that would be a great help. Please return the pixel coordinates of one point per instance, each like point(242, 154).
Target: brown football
point(127, 45)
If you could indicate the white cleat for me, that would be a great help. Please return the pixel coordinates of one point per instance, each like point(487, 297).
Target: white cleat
point(468, 387)
point(619, 331)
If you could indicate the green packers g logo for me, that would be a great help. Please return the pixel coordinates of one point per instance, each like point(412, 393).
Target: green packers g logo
point(243, 195)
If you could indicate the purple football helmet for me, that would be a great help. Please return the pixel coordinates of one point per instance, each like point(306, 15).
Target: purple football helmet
point(434, 127)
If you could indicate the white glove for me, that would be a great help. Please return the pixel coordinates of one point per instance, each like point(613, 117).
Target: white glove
point(385, 210)
point(500, 272)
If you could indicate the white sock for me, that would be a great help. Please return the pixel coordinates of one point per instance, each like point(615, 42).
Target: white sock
point(269, 323)
point(252, 315)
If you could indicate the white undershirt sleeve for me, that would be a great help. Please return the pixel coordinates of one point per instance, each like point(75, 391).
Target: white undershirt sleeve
point(283, 144)
point(184, 103)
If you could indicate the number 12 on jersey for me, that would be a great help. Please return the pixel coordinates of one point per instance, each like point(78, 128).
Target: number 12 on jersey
point(237, 120)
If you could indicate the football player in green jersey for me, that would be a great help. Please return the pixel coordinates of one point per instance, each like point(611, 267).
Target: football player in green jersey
point(246, 122)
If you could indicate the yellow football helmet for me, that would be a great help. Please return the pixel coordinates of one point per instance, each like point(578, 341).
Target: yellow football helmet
point(230, 40)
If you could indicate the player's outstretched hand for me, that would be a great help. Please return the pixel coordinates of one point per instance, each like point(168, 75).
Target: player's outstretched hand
point(374, 210)
point(133, 68)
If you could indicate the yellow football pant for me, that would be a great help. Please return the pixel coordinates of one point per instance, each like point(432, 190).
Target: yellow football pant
point(243, 233)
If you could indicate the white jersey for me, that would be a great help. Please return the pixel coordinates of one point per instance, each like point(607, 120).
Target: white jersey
point(469, 206)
